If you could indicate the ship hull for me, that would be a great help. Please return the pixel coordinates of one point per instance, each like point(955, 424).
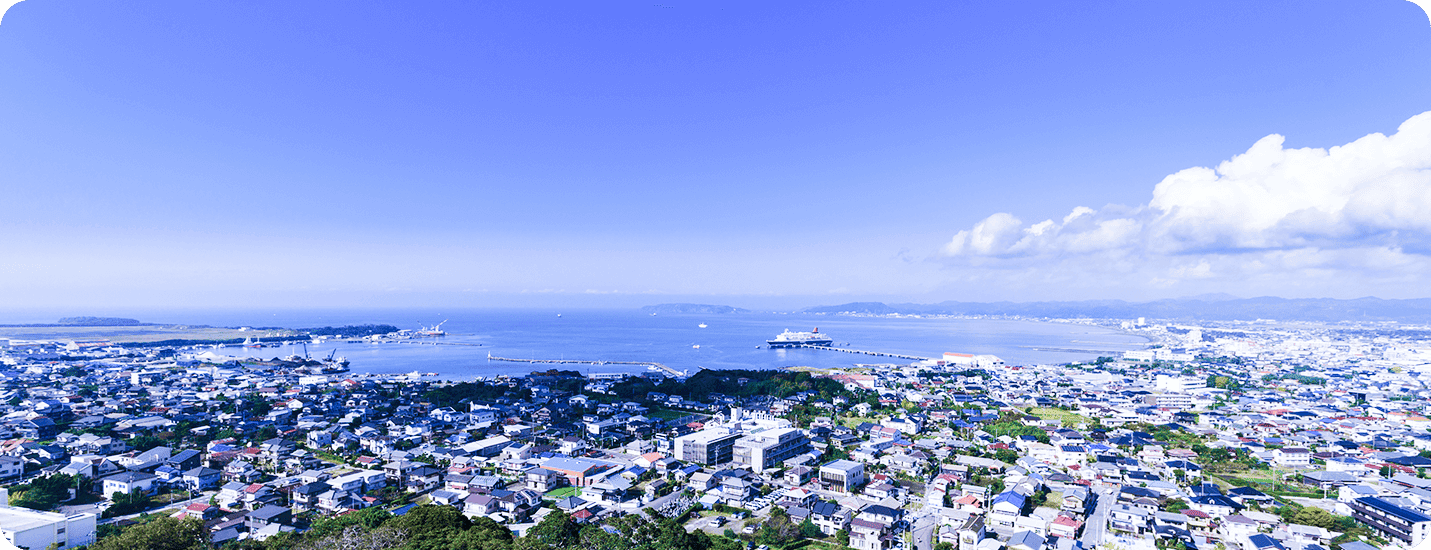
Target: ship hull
point(796, 344)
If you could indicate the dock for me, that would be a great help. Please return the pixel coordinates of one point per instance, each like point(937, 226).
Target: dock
point(1116, 353)
point(428, 343)
point(864, 352)
point(648, 364)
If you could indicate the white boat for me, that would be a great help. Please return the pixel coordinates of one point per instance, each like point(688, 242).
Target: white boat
point(702, 325)
point(695, 346)
point(789, 339)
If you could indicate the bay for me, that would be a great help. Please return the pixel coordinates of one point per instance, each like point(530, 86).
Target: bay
point(729, 341)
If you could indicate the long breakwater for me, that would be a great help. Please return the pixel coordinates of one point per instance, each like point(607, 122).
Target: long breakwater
point(649, 364)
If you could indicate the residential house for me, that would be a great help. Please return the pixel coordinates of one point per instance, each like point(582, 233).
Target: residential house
point(129, 483)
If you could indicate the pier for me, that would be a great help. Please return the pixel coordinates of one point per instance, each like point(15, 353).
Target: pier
point(870, 353)
point(425, 343)
point(658, 366)
point(1115, 353)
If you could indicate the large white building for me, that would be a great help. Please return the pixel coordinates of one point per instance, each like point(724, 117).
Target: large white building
point(26, 528)
point(708, 447)
point(1175, 401)
point(1179, 384)
point(1138, 355)
point(770, 448)
point(843, 475)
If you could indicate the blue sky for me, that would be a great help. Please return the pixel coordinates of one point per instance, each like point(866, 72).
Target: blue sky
point(622, 153)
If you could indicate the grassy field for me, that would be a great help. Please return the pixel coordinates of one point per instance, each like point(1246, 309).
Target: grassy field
point(122, 335)
point(664, 414)
point(563, 492)
point(1257, 476)
point(327, 456)
point(1060, 415)
point(853, 421)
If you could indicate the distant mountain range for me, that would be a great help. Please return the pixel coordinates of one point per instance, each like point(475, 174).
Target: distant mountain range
point(704, 309)
point(1218, 307)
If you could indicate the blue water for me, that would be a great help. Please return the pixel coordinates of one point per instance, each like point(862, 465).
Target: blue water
point(728, 342)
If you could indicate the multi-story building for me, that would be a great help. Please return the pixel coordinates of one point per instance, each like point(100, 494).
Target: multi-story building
point(868, 535)
point(1176, 401)
point(1394, 521)
point(843, 475)
point(25, 528)
point(1292, 457)
point(11, 466)
point(769, 448)
point(708, 447)
point(964, 535)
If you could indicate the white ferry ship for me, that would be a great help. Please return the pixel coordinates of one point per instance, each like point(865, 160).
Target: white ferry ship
point(789, 339)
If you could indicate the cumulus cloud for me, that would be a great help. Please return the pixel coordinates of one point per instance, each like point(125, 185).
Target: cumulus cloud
point(1270, 207)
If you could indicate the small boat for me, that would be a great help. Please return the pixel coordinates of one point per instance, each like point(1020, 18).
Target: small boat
point(695, 346)
point(702, 325)
point(558, 315)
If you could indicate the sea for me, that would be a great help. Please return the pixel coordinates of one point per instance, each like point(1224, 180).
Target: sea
point(727, 341)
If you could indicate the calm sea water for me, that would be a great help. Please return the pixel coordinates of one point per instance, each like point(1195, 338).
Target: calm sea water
point(731, 341)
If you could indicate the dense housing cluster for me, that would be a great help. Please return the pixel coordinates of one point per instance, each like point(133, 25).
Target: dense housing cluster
point(1258, 436)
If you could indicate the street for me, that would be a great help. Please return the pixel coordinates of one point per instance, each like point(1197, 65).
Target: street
point(1097, 522)
point(177, 505)
point(922, 530)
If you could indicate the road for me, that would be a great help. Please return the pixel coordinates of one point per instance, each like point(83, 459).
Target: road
point(180, 505)
point(921, 529)
point(1097, 522)
point(923, 522)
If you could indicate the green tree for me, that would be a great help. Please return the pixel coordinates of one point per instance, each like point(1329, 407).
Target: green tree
point(367, 518)
point(809, 530)
point(485, 534)
point(129, 503)
point(1316, 517)
point(556, 531)
point(353, 537)
point(165, 533)
point(778, 530)
point(43, 493)
point(431, 527)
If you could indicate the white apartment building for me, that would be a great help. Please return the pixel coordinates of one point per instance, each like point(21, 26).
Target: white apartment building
point(770, 448)
point(25, 528)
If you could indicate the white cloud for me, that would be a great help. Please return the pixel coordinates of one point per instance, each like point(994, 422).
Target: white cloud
point(1269, 210)
point(997, 232)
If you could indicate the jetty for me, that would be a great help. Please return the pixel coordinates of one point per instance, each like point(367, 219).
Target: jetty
point(430, 343)
point(1073, 350)
point(865, 352)
point(648, 364)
